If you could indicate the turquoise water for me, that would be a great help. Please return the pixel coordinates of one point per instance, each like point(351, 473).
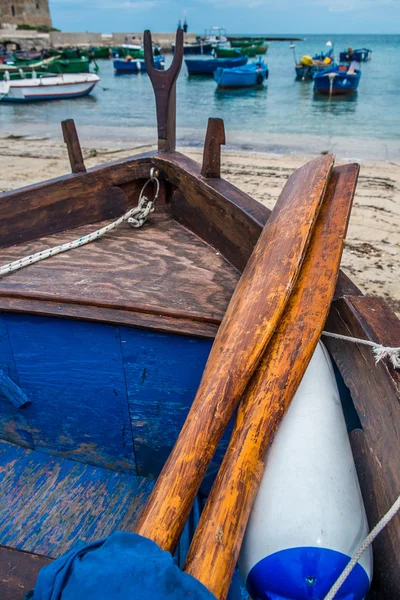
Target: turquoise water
point(282, 116)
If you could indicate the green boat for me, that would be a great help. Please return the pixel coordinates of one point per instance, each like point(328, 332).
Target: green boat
point(48, 65)
point(70, 65)
point(243, 51)
point(247, 42)
point(25, 65)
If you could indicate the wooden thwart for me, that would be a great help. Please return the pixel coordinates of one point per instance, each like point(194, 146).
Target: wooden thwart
point(216, 544)
point(252, 315)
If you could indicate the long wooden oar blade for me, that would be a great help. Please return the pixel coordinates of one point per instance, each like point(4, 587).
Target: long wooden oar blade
point(251, 317)
point(215, 547)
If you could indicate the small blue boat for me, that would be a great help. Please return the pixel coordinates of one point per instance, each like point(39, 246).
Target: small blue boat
point(308, 71)
point(199, 66)
point(359, 55)
point(252, 74)
point(133, 65)
point(340, 80)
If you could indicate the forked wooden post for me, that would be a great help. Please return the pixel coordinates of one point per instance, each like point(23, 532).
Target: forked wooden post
point(212, 148)
point(164, 85)
point(73, 146)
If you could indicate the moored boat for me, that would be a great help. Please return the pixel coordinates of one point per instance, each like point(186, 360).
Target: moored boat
point(245, 41)
point(308, 67)
point(201, 66)
point(249, 75)
point(136, 65)
point(199, 47)
point(103, 348)
point(338, 80)
point(359, 55)
point(251, 50)
point(55, 64)
point(47, 87)
point(216, 36)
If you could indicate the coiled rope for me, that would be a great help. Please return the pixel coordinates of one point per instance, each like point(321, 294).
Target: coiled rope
point(136, 217)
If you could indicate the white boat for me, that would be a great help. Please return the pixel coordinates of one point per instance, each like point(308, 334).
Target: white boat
point(26, 89)
point(217, 37)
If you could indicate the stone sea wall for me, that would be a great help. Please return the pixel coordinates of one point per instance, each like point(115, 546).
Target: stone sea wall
point(33, 39)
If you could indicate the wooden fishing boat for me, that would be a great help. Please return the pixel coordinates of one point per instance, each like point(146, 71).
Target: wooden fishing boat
point(199, 47)
point(250, 50)
point(305, 70)
point(204, 66)
point(245, 41)
point(337, 80)
point(13, 67)
point(47, 87)
point(136, 65)
point(249, 75)
point(359, 55)
point(51, 65)
point(102, 348)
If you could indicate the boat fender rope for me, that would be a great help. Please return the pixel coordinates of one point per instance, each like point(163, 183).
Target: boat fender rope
point(136, 218)
point(365, 544)
point(380, 351)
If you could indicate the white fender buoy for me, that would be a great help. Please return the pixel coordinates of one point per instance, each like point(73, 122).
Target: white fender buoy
point(308, 518)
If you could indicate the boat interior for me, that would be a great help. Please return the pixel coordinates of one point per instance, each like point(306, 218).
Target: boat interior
point(102, 347)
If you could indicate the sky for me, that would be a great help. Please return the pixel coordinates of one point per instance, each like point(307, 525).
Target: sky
point(237, 16)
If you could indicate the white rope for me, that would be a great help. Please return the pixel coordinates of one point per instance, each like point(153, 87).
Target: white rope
point(380, 352)
point(136, 217)
point(367, 542)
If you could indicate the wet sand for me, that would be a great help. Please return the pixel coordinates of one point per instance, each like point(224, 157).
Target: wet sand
point(372, 251)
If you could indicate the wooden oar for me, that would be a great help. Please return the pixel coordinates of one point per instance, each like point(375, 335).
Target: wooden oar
point(252, 315)
point(215, 547)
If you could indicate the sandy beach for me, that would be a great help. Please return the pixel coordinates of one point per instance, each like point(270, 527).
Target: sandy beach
point(372, 251)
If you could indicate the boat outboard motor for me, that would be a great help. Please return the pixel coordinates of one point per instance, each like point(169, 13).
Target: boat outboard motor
point(308, 518)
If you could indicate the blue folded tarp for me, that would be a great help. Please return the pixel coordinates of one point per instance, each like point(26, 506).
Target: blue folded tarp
point(122, 566)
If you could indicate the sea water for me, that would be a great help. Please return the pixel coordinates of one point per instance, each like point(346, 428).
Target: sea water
point(282, 116)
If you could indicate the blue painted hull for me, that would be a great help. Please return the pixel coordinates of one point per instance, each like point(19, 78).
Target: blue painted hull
point(250, 75)
point(335, 82)
point(208, 67)
point(106, 405)
point(359, 55)
point(136, 65)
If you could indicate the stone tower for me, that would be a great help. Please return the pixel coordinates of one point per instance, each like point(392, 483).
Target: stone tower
point(25, 12)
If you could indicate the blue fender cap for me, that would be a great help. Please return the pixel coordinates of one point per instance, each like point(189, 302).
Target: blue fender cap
point(305, 573)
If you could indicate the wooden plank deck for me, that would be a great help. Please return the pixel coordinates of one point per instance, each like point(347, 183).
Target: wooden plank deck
point(162, 270)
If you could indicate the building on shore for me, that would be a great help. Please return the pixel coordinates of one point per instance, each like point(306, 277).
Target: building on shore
point(25, 12)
